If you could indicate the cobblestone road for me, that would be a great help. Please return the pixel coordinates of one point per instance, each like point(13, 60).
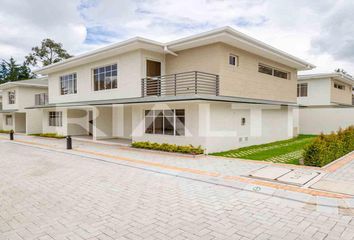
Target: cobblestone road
point(51, 195)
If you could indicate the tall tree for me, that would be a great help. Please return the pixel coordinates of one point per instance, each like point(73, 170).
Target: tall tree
point(47, 53)
point(11, 71)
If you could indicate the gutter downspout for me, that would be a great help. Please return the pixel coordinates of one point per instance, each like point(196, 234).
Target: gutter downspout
point(166, 50)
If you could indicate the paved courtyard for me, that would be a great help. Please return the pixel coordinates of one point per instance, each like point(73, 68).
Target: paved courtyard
point(52, 195)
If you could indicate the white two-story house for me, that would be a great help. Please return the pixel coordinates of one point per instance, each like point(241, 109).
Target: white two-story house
point(18, 95)
point(220, 89)
point(325, 102)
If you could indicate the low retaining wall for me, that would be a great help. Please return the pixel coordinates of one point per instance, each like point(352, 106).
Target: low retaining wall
point(317, 120)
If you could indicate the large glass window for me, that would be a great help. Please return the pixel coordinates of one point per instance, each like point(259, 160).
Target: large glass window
point(68, 84)
point(302, 90)
point(105, 78)
point(165, 122)
point(12, 96)
point(55, 119)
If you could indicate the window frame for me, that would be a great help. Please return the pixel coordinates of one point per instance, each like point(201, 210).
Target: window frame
point(300, 88)
point(7, 117)
point(236, 59)
point(104, 77)
point(154, 114)
point(11, 97)
point(55, 119)
point(73, 79)
point(274, 69)
point(339, 86)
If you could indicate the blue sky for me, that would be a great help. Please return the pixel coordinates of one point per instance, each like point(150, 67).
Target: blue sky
point(320, 32)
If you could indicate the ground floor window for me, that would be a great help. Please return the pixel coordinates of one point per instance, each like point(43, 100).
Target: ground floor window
point(165, 122)
point(8, 120)
point(55, 119)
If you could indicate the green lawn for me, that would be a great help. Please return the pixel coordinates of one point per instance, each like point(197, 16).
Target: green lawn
point(287, 151)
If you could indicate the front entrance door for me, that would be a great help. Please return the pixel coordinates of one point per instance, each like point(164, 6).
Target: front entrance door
point(153, 82)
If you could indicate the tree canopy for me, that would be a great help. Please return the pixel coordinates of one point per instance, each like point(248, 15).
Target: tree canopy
point(12, 71)
point(47, 53)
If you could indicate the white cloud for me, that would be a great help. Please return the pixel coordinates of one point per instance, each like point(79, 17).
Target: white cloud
point(317, 31)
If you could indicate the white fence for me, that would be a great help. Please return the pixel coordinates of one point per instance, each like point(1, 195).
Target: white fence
point(326, 120)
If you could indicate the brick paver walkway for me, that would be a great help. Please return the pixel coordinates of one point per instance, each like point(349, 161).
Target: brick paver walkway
point(51, 195)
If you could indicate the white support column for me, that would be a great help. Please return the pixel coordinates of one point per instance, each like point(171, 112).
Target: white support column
point(204, 119)
point(256, 122)
point(290, 122)
point(118, 120)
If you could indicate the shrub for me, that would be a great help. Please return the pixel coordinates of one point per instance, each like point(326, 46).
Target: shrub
point(188, 149)
point(4, 131)
point(48, 135)
point(327, 148)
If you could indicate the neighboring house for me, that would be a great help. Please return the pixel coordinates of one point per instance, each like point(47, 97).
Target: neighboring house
point(325, 102)
point(331, 89)
point(18, 95)
point(220, 89)
point(0, 110)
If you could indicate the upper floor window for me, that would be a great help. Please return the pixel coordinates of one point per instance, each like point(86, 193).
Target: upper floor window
point(105, 77)
point(41, 99)
point(273, 71)
point(302, 90)
point(339, 86)
point(68, 84)
point(55, 119)
point(233, 60)
point(12, 96)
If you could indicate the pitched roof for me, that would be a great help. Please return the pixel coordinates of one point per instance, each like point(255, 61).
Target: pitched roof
point(337, 76)
point(36, 82)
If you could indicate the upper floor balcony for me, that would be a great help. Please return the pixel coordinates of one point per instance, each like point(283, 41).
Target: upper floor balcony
point(41, 99)
point(185, 83)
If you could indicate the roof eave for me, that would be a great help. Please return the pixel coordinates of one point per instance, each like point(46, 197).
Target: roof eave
point(98, 52)
point(300, 64)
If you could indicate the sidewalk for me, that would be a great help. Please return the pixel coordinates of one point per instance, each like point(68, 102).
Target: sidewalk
point(222, 171)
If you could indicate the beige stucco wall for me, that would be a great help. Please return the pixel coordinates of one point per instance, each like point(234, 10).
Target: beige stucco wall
point(341, 96)
point(240, 81)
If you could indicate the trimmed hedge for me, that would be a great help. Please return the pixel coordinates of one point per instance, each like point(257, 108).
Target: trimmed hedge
point(189, 149)
point(4, 131)
point(48, 135)
point(327, 148)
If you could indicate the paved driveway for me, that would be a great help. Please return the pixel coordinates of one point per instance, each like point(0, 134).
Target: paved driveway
point(51, 195)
